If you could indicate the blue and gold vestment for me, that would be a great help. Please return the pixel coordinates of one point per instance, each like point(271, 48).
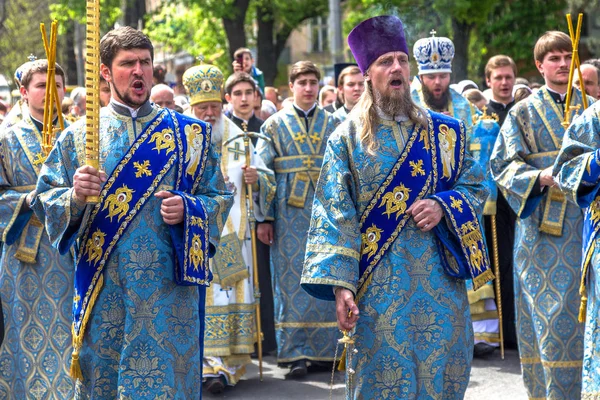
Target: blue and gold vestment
point(230, 332)
point(414, 336)
point(577, 170)
point(547, 253)
point(144, 333)
point(36, 282)
point(305, 327)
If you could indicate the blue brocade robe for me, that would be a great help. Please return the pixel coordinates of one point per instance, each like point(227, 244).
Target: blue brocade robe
point(305, 327)
point(414, 335)
point(578, 154)
point(143, 336)
point(547, 250)
point(36, 292)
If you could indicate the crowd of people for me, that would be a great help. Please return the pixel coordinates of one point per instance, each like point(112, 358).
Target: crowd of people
point(430, 222)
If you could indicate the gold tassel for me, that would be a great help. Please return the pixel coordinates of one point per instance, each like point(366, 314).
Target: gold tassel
point(583, 308)
point(75, 370)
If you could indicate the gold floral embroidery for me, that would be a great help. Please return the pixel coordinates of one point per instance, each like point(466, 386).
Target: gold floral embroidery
point(395, 201)
point(93, 247)
point(456, 204)
point(417, 168)
point(142, 168)
point(118, 202)
point(196, 253)
point(165, 140)
point(370, 240)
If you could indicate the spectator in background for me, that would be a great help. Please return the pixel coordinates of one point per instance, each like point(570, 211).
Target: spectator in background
point(267, 109)
point(104, 92)
point(590, 75)
point(521, 92)
point(327, 97)
point(162, 95)
point(272, 94)
point(182, 102)
point(78, 107)
point(522, 81)
point(158, 74)
point(244, 55)
point(475, 97)
point(66, 105)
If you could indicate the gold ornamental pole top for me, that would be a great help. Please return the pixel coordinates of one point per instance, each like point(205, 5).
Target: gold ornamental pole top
point(92, 85)
point(575, 64)
point(51, 95)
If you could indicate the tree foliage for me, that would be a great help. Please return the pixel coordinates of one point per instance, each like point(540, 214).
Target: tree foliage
point(191, 28)
point(20, 33)
point(479, 29)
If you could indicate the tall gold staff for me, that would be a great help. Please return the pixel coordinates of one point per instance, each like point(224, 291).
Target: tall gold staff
point(575, 63)
point(252, 221)
point(92, 85)
point(497, 283)
point(51, 95)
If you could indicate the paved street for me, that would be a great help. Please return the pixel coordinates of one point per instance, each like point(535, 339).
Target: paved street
point(491, 378)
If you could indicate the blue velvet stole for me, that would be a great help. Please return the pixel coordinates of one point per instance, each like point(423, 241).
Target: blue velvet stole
point(160, 147)
point(430, 163)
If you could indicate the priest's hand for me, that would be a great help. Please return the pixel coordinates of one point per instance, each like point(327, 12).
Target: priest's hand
point(546, 178)
point(87, 181)
point(171, 207)
point(346, 309)
point(426, 214)
point(250, 175)
point(264, 232)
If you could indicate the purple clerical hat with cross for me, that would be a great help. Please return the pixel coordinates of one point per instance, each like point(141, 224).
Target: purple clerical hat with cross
point(375, 37)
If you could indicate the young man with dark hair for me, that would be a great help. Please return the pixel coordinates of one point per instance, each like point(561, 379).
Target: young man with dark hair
point(142, 269)
point(241, 93)
point(35, 280)
point(547, 250)
point(305, 327)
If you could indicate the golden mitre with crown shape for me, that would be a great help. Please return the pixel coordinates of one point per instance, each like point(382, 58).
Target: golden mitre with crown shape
point(203, 83)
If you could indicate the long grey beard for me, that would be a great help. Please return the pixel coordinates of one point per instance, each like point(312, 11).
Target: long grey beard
point(218, 130)
point(395, 105)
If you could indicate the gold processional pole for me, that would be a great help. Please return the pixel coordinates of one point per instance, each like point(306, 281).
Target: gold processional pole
point(252, 221)
point(48, 130)
point(92, 84)
point(574, 64)
point(497, 282)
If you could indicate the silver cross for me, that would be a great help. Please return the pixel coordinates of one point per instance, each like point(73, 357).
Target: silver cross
point(432, 33)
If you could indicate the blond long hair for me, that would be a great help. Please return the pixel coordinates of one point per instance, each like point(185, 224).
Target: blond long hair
point(365, 111)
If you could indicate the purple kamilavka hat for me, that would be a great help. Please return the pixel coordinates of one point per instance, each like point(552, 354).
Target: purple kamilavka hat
point(374, 37)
